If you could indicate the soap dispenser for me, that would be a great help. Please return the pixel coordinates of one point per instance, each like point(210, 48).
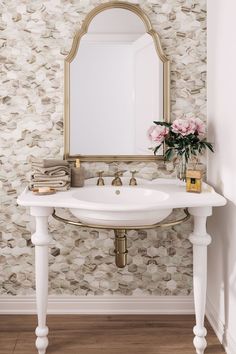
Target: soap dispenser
point(77, 175)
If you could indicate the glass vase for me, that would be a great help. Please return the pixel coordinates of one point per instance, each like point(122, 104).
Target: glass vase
point(181, 168)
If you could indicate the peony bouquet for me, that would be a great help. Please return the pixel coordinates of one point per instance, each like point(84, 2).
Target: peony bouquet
point(184, 138)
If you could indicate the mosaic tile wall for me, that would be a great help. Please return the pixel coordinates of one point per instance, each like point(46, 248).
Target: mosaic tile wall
point(35, 36)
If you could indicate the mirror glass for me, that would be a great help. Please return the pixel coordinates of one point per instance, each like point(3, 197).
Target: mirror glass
point(115, 87)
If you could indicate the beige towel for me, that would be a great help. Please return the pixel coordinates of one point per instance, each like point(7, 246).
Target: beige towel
point(48, 163)
point(56, 185)
point(51, 171)
point(38, 178)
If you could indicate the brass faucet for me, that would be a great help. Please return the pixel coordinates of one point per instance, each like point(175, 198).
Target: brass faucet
point(133, 181)
point(100, 181)
point(117, 180)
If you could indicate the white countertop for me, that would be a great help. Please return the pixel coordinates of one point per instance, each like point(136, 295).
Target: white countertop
point(178, 197)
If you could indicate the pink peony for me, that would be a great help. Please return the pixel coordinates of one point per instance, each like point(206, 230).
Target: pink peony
point(184, 126)
point(200, 126)
point(157, 133)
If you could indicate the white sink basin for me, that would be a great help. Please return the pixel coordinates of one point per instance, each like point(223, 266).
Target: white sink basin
point(120, 206)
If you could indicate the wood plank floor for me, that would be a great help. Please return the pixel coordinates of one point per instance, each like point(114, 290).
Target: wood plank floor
point(103, 334)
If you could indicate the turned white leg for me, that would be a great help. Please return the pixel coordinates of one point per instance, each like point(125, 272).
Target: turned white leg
point(41, 239)
point(200, 240)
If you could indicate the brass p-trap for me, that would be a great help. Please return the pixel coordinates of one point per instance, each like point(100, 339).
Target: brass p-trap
point(120, 248)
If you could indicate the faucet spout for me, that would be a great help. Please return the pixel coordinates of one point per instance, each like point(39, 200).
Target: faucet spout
point(117, 180)
point(100, 181)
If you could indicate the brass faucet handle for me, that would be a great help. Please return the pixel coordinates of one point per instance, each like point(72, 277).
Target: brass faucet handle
point(100, 181)
point(117, 180)
point(118, 173)
point(133, 181)
point(133, 173)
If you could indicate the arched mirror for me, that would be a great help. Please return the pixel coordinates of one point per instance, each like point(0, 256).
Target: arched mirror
point(116, 85)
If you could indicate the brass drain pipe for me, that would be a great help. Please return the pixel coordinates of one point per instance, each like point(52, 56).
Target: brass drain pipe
point(120, 248)
point(120, 233)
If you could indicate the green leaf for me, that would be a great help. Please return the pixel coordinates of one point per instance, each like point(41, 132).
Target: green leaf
point(169, 153)
point(165, 124)
point(156, 149)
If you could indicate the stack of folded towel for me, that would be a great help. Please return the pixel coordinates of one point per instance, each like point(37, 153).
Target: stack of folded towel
point(50, 173)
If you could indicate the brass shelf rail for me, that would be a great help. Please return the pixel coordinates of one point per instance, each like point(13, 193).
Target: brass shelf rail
point(120, 233)
point(160, 224)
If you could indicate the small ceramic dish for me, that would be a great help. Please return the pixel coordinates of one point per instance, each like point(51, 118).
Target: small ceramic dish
point(46, 192)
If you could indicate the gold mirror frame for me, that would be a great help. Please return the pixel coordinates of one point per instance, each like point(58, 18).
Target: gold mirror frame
point(75, 45)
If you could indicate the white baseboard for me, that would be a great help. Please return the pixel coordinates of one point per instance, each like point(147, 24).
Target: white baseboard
point(224, 336)
point(100, 305)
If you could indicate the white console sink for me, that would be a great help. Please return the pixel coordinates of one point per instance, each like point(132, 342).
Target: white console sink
point(145, 204)
point(120, 206)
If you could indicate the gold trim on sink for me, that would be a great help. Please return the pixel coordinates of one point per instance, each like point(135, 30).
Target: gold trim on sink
point(94, 226)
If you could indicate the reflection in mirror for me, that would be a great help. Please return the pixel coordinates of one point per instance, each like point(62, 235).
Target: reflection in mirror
point(116, 87)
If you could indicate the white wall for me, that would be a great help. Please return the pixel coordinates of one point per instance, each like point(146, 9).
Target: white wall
point(222, 168)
